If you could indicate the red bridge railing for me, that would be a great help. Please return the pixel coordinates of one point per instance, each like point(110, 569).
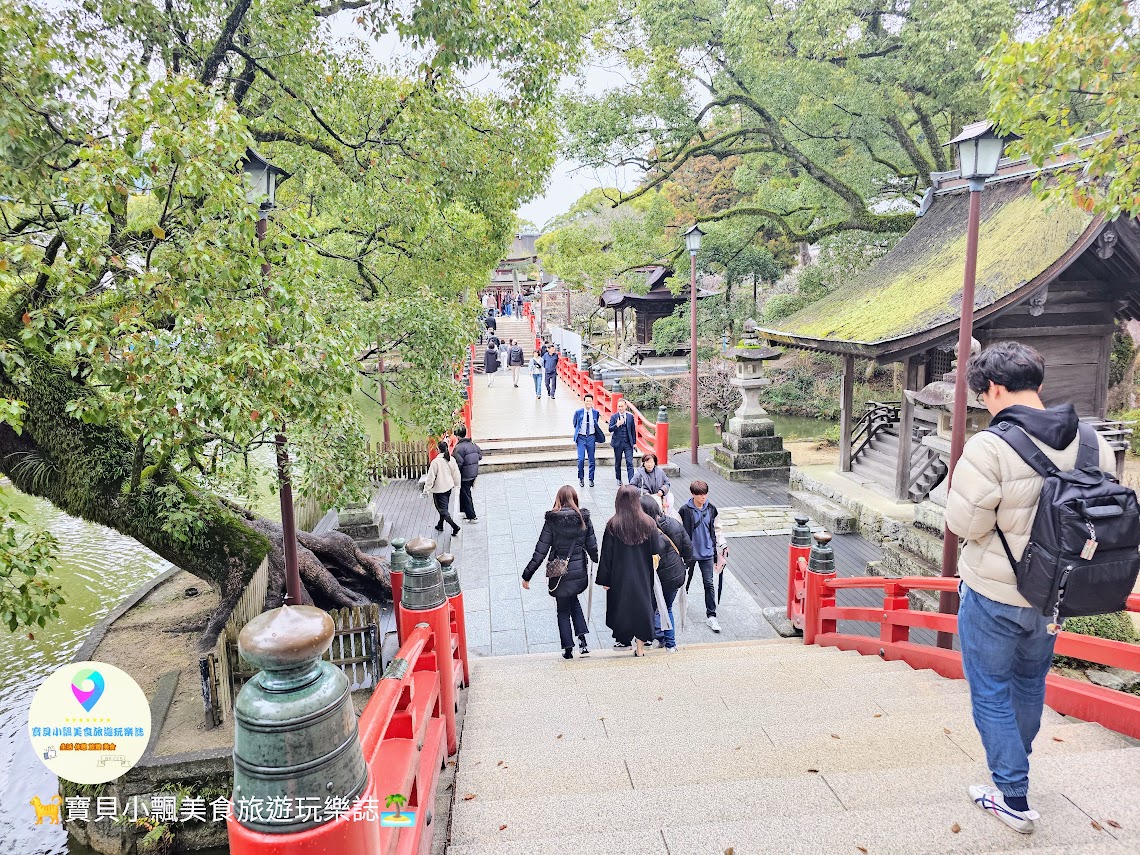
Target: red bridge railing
point(652, 436)
point(812, 607)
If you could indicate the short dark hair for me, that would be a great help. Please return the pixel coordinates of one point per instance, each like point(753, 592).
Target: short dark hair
point(460, 430)
point(587, 395)
point(649, 455)
point(699, 488)
point(1018, 367)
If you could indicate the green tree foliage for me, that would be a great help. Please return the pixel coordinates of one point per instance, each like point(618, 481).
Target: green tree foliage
point(836, 110)
point(1082, 77)
point(141, 347)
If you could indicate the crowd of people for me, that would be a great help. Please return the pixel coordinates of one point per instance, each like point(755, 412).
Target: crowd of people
point(647, 559)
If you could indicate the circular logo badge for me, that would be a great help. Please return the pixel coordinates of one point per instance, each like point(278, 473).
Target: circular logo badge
point(89, 722)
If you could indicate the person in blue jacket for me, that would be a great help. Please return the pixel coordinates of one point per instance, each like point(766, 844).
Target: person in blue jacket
point(586, 432)
point(550, 362)
point(623, 438)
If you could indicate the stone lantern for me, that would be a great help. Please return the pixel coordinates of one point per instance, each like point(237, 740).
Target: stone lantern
point(939, 396)
point(750, 450)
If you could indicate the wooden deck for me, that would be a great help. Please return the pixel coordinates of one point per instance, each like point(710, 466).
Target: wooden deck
point(761, 565)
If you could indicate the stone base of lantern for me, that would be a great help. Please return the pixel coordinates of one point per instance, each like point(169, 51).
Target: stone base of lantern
point(750, 450)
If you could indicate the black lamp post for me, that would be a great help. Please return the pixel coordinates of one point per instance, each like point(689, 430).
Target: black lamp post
point(693, 244)
point(979, 150)
point(261, 189)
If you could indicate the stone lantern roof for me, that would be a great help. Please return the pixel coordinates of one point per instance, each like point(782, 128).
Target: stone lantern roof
point(751, 348)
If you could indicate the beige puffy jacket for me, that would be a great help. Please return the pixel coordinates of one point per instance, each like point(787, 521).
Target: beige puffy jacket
point(442, 475)
point(994, 487)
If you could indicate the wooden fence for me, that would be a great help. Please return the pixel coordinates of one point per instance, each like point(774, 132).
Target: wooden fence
point(399, 460)
point(307, 512)
point(355, 649)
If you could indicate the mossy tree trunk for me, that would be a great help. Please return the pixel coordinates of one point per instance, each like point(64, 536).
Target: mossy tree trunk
point(97, 473)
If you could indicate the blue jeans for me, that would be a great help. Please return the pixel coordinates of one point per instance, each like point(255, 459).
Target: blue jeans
point(537, 378)
point(625, 451)
point(669, 636)
point(586, 445)
point(551, 383)
point(1006, 654)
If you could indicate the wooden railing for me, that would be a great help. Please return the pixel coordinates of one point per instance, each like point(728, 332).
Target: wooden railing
point(812, 595)
point(876, 417)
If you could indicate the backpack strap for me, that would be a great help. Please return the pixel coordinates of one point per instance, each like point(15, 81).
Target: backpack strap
point(1026, 448)
point(1088, 452)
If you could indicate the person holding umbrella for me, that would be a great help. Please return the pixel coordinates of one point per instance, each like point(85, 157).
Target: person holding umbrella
point(698, 516)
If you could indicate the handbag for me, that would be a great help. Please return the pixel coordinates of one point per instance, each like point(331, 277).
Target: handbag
point(557, 567)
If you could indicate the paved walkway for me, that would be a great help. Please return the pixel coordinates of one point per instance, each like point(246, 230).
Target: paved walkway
point(502, 411)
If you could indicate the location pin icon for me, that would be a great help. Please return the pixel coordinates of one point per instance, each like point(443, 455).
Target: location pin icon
point(87, 686)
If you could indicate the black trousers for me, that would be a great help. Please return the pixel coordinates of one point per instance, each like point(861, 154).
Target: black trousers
point(551, 383)
point(625, 451)
point(466, 503)
point(570, 611)
point(443, 508)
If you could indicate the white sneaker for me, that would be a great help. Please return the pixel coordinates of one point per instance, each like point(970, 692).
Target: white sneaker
point(992, 801)
point(713, 623)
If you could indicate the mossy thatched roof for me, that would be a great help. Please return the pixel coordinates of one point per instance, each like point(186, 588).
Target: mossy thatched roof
point(916, 288)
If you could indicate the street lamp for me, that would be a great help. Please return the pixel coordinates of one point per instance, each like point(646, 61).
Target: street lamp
point(979, 150)
point(693, 244)
point(261, 189)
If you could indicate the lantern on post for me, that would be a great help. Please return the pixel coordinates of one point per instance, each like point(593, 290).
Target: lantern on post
point(693, 244)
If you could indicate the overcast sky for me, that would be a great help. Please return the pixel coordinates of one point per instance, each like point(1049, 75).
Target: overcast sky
point(568, 180)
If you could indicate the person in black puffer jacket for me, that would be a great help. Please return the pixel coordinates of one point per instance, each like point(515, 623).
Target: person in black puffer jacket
point(672, 566)
point(567, 533)
point(467, 455)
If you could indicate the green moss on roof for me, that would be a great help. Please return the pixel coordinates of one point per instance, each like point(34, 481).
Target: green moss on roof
point(917, 286)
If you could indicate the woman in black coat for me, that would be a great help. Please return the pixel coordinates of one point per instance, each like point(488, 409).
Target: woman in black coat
point(567, 533)
point(672, 566)
point(626, 570)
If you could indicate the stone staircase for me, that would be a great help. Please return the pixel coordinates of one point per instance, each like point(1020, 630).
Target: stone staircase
point(504, 455)
point(757, 748)
point(508, 328)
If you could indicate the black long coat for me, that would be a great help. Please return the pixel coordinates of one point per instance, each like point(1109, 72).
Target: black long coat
point(628, 572)
point(563, 537)
point(490, 361)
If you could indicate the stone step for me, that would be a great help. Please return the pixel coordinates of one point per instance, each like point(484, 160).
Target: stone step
point(568, 457)
point(835, 518)
point(873, 470)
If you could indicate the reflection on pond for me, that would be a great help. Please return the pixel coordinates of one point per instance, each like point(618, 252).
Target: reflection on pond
point(788, 427)
point(97, 568)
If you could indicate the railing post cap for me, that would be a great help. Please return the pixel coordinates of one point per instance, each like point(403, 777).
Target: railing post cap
point(446, 559)
point(823, 538)
point(420, 547)
point(286, 637)
point(801, 519)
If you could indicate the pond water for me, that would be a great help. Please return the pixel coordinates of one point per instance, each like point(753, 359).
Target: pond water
point(97, 568)
point(789, 427)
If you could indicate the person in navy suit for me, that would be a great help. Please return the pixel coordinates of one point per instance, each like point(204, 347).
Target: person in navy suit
point(623, 438)
point(586, 437)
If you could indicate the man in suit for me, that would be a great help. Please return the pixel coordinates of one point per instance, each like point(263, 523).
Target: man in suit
point(623, 438)
point(586, 437)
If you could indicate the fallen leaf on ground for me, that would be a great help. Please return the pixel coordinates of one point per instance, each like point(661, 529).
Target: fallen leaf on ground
point(862, 849)
point(559, 736)
point(1058, 739)
point(660, 698)
point(814, 771)
point(500, 763)
point(452, 763)
point(955, 828)
point(946, 730)
point(729, 851)
point(502, 828)
point(1096, 825)
point(835, 736)
point(468, 797)
point(877, 715)
point(1113, 823)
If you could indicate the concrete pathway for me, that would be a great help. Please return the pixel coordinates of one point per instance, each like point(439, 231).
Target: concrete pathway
point(502, 618)
point(763, 748)
point(502, 411)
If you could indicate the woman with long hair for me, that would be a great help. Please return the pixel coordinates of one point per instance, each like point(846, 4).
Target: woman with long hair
point(670, 568)
point(567, 535)
point(441, 480)
point(625, 570)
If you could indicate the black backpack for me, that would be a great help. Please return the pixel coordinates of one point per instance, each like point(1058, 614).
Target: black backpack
point(1083, 555)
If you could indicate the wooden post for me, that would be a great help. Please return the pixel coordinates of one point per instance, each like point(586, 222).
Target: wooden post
point(846, 400)
point(906, 430)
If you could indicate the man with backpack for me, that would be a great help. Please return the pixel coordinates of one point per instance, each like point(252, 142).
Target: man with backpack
point(1048, 534)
